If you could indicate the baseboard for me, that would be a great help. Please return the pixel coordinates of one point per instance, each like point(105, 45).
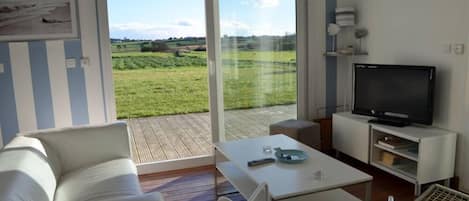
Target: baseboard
point(178, 164)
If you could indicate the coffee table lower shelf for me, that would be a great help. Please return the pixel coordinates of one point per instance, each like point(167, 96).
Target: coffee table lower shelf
point(246, 186)
point(237, 178)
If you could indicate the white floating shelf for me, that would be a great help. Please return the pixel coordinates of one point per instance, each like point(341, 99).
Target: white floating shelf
point(337, 54)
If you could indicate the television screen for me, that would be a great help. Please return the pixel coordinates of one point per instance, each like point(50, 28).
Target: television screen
point(395, 92)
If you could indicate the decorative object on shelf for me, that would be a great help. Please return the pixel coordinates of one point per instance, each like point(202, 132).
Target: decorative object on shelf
point(333, 30)
point(360, 33)
point(345, 16)
point(395, 143)
point(291, 156)
point(36, 20)
point(390, 159)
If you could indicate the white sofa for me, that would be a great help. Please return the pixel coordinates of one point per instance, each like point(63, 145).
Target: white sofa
point(90, 163)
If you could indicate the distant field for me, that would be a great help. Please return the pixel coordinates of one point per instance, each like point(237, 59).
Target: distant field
point(138, 60)
point(153, 84)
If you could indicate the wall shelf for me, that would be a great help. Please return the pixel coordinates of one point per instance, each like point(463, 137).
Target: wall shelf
point(338, 54)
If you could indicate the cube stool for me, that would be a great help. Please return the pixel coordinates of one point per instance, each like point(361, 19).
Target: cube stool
point(306, 132)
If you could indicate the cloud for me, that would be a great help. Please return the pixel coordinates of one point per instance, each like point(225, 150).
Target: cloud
point(257, 28)
point(137, 26)
point(262, 3)
point(185, 23)
point(233, 27)
point(233, 24)
point(138, 30)
point(186, 28)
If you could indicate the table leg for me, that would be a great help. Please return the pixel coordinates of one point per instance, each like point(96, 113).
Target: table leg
point(447, 182)
point(368, 191)
point(417, 189)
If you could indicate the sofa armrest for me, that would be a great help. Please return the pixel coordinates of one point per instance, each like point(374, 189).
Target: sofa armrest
point(84, 146)
point(154, 196)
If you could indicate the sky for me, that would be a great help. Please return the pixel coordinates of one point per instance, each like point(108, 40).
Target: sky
point(162, 19)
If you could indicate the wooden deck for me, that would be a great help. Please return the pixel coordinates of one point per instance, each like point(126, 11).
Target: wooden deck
point(180, 136)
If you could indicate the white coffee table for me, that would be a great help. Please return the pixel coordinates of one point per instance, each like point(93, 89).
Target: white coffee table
point(287, 181)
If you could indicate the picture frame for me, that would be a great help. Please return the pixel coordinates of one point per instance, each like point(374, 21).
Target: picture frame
point(24, 20)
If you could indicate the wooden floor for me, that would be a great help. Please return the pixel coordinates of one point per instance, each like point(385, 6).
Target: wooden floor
point(180, 136)
point(197, 184)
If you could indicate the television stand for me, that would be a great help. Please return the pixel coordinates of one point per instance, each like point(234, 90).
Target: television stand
point(389, 122)
point(430, 159)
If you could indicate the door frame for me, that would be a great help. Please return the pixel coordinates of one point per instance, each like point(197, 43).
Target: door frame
point(215, 77)
point(106, 59)
point(215, 70)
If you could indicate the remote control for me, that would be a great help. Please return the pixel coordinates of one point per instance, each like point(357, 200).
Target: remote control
point(260, 162)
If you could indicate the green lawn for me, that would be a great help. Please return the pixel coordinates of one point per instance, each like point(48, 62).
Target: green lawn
point(153, 84)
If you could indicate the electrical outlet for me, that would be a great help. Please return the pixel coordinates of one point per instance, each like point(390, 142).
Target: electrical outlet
point(2, 68)
point(71, 63)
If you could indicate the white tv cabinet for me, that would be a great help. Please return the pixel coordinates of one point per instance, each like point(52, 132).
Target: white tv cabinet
point(434, 159)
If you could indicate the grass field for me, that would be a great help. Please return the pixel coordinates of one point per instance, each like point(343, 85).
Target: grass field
point(153, 84)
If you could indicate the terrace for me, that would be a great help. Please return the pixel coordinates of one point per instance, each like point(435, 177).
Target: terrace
point(181, 136)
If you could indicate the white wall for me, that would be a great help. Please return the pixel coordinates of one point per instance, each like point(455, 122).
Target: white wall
point(419, 32)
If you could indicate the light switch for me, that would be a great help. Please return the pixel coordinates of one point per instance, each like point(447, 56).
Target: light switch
point(458, 49)
point(71, 63)
point(2, 68)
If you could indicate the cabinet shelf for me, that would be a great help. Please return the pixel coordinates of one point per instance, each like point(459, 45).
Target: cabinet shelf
point(407, 172)
point(400, 152)
point(237, 178)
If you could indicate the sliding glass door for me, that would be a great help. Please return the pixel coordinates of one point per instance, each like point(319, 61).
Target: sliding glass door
point(160, 62)
point(160, 77)
point(258, 60)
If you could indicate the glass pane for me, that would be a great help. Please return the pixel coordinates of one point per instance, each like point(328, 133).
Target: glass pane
point(160, 76)
point(259, 65)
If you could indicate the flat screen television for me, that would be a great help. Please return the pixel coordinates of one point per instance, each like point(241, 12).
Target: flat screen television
point(396, 94)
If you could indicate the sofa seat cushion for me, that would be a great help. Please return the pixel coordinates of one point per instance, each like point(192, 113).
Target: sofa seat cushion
point(106, 180)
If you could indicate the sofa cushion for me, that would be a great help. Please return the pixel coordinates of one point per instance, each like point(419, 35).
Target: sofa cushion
point(106, 180)
point(85, 146)
point(25, 173)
